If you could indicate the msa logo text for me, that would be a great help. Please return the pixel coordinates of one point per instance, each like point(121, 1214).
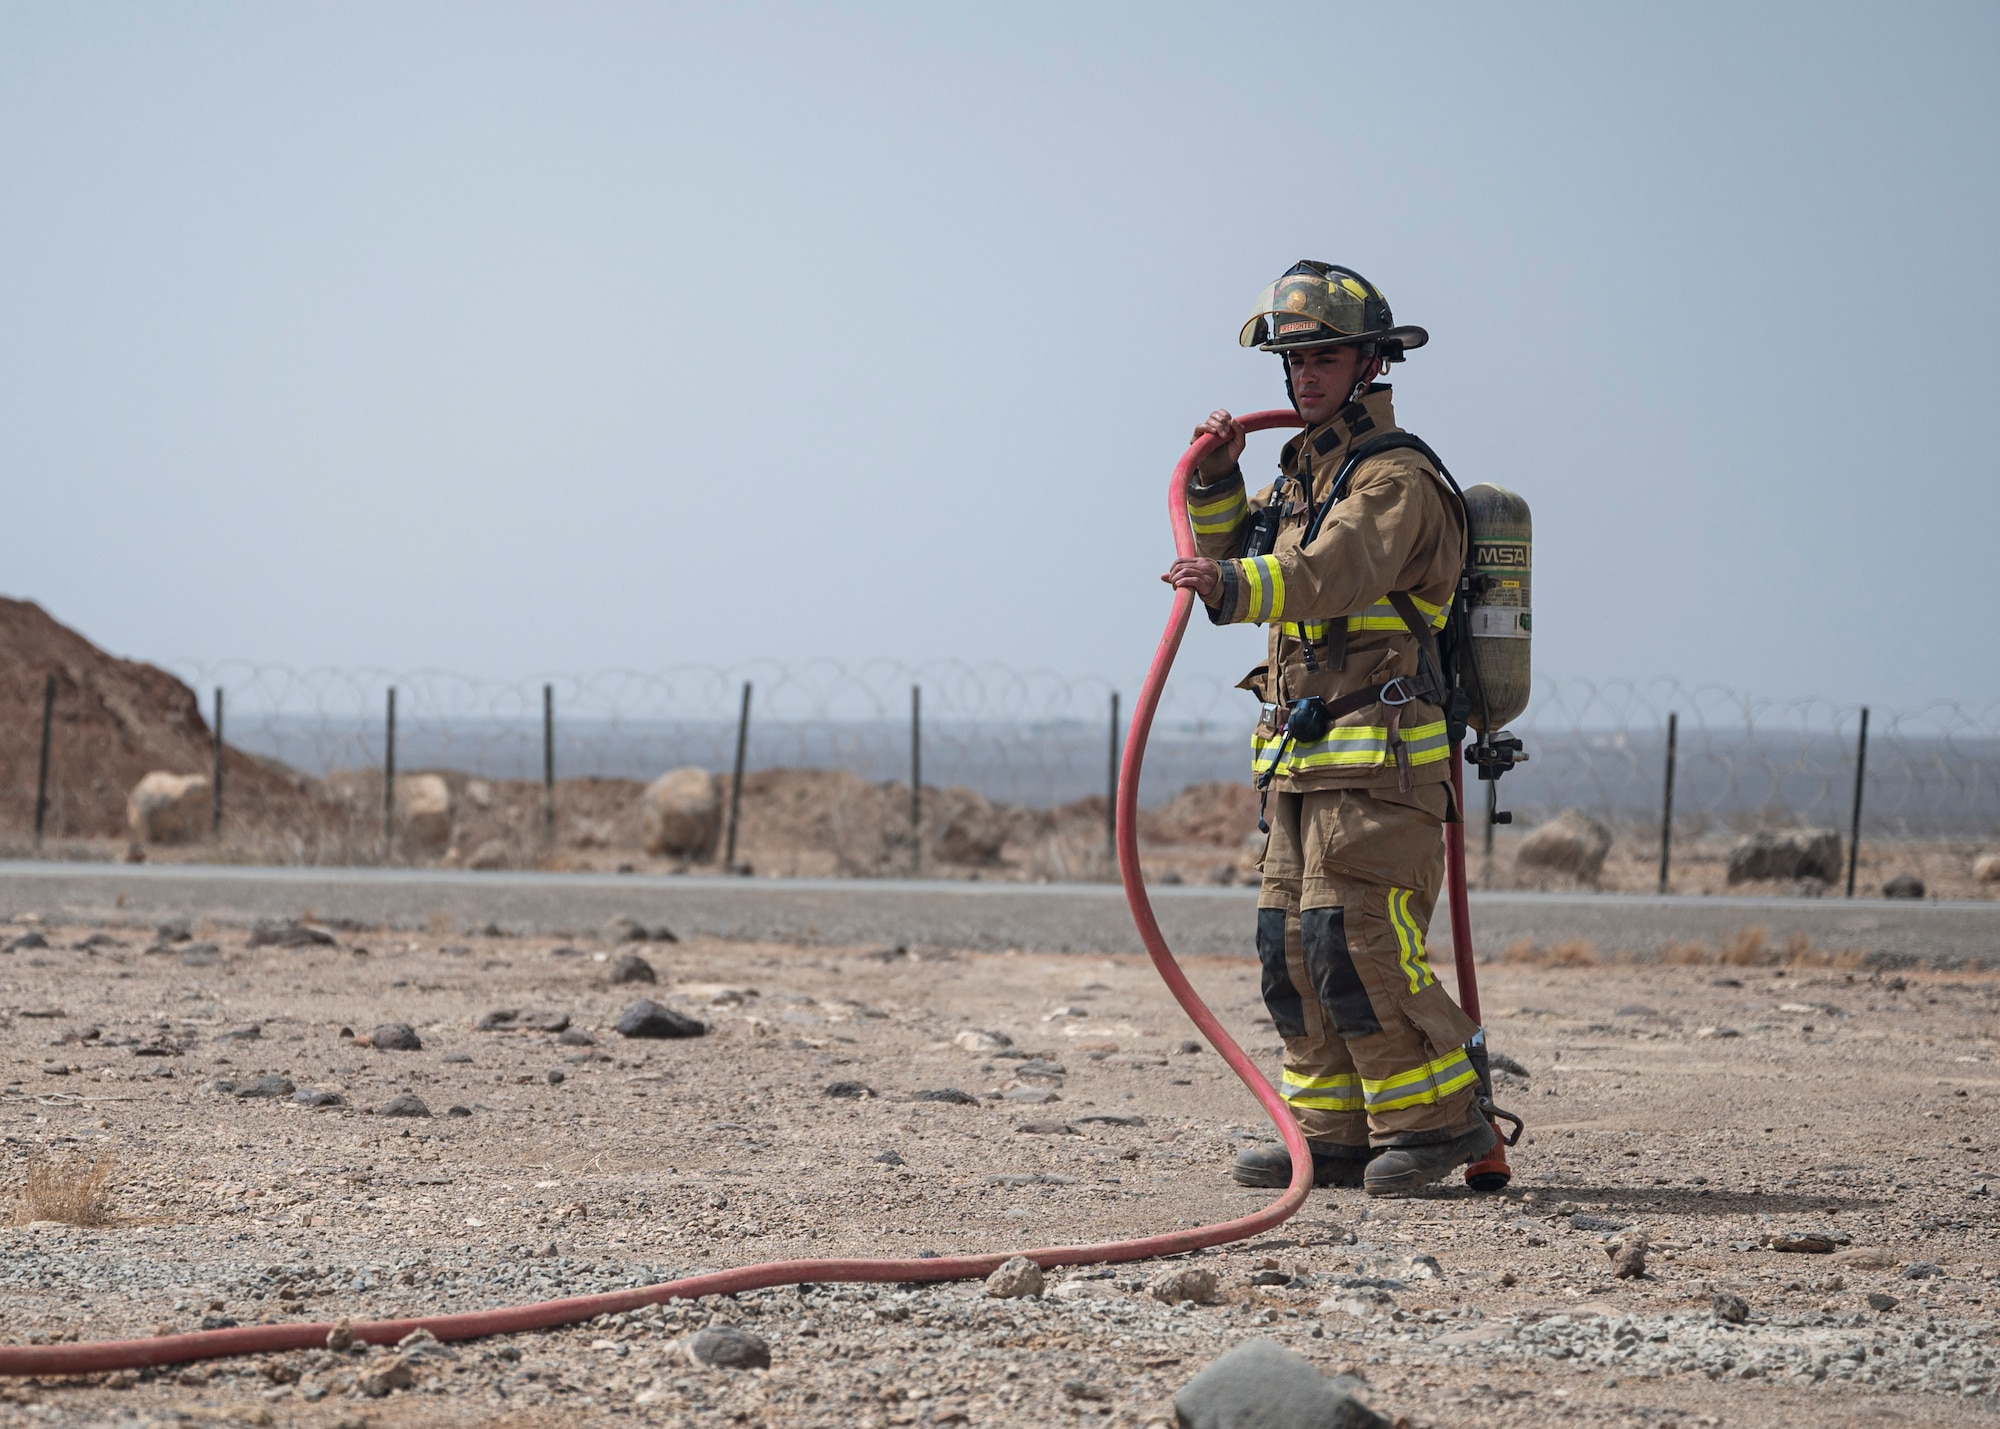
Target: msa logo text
point(1500, 555)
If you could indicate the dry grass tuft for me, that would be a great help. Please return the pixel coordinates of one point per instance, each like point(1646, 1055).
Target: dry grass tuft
point(1572, 953)
point(1747, 948)
point(69, 1190)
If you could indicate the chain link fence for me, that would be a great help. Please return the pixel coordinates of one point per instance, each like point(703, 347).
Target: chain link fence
point(317, 742)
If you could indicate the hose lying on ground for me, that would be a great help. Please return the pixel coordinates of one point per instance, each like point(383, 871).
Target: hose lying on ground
point(98, 1356)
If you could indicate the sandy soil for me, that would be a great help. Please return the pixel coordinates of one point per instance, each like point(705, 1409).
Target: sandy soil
point(1709, 1107)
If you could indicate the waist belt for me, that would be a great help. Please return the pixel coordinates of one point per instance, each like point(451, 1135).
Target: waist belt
point(1394, 693)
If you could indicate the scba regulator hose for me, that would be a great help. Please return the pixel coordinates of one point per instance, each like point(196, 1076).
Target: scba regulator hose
point(98, 1356)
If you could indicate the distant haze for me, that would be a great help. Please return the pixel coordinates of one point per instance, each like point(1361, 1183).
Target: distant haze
point(510, 338)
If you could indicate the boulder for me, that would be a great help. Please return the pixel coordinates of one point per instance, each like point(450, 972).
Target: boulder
point(1987, 869)
point(682, 813)
point(969, 829)
point(1015, 1279)
point(168, 808)
point(1786, 855)
point(1905, 885)
point(1263, 1385)
point(423, 813)
point(1571, 843)
point(488, 856)
point(630, 967)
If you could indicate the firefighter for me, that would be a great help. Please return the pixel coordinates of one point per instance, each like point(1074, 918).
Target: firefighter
point(1351, 750)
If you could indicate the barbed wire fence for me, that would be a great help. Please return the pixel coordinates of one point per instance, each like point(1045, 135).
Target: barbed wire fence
point(1042, 740)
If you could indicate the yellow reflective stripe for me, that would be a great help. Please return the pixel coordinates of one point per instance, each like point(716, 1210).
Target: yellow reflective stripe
point(1437, 614)
point(1420, 1085)
point(1382, 616)
point(1266, 581)
point(1410, 952)
point(1379, 616)
point(1340, 1092)
point(1351, 746)
point(1218, 518)
point(1276, 573)
point(1305, 629)
point(1255, 583)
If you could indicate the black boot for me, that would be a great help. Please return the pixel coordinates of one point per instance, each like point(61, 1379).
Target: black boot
point(1271, 1165)
point(1399, 1170)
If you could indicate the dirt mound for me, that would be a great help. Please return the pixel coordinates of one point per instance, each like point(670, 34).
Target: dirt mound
point(115, 721)
point(1222, 814)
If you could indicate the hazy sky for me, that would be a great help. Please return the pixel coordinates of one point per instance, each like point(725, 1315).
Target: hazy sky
point(510, 339)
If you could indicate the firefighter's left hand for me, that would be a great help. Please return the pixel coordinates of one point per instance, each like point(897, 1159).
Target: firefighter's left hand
point(1195, 573)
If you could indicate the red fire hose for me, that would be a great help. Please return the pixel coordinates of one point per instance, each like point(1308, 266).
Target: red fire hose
point(549, 1314)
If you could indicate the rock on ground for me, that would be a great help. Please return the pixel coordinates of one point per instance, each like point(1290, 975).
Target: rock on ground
point(1015, 1279)
point(1185, 1282)
point(1261, 1385)
point(284, 934)
point(489, 856)
point(1987, 868)
point(395, 1037)
point(1571, 843)
point(509, 1019)
point(1788, 855)
point(403, 1104)
point(1906, 885)
point(423, 813)
point(682, 813)
point(630, 967)
point(647, 1018)
point(168, 808)
point(726, 1347)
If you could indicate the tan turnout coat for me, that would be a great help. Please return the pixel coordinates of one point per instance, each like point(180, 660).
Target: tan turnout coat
point(1332, 627)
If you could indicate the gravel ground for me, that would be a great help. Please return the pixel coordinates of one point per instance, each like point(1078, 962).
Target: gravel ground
point(1713, 1111)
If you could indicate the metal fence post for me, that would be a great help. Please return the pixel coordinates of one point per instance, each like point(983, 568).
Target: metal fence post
point(1111, 791)
point(389, 782)
point(216, 784)
point(1860, 769)
point(736, 783)
point(549, 764)
point(42, 773)
point(1667, 802)
point(916, 778)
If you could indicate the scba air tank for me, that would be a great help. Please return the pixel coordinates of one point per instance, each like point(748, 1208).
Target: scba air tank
point(1499, 619)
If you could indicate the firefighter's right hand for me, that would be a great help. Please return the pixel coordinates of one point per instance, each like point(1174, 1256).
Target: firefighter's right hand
point(1218, 462)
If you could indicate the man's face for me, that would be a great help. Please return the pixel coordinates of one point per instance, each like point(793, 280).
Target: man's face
point(1322, 378)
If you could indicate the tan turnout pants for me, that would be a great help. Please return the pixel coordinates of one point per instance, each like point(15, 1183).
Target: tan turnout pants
point(1374, 1046)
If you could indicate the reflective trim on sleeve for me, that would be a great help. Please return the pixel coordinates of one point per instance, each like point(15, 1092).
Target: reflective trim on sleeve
point(1339, 1092)
point(1421, 1085)
point(1410, 954)
point(1219, 517)
point(1264, 580)
point(1313, 630)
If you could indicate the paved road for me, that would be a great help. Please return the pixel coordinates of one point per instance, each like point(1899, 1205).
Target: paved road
point(1048, 917)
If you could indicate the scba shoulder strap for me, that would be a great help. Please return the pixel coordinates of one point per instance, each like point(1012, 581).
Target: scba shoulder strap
point(1435, 683)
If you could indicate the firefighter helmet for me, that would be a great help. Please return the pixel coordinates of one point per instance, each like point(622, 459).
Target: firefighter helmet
point(1325, 305)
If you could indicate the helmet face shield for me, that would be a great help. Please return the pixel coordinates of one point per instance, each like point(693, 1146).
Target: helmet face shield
point(1301, 309)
